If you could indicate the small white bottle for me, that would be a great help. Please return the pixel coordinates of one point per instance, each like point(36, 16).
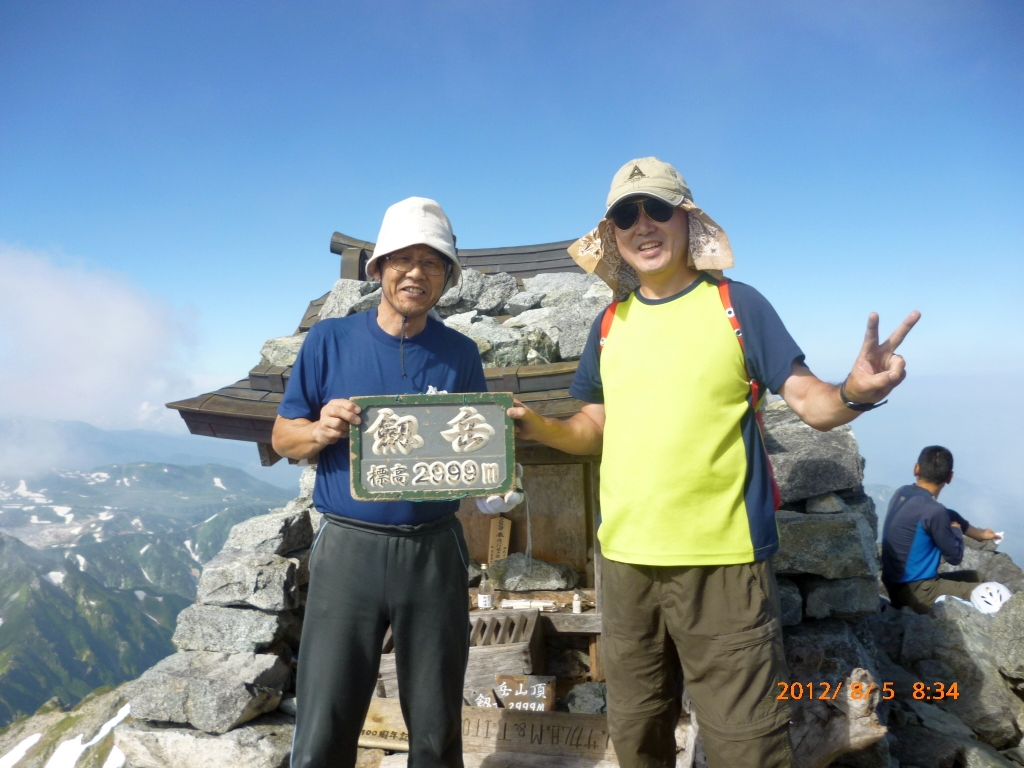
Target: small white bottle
point(577, 603)
point(485, 592)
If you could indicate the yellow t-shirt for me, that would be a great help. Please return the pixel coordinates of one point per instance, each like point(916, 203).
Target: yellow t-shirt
point(684, 477)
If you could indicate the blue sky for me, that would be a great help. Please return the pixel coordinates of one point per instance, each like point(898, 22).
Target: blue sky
point(171, 174)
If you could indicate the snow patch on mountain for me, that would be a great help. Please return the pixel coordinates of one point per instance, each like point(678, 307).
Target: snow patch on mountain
point(23, 491)
point(67, 754)
point(13, 757)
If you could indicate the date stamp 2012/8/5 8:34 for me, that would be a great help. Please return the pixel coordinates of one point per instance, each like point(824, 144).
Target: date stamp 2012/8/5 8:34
point(825, 691)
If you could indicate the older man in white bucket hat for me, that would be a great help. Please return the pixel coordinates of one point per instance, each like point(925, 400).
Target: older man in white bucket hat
point(379, 564)
point(671, 378)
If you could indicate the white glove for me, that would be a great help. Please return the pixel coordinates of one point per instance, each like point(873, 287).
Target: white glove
point(496, 504)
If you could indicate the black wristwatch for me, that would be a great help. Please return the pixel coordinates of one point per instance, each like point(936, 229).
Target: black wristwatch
point(860, 407)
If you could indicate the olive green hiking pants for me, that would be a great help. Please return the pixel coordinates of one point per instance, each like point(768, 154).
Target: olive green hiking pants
point(714, 629)
point(921, 595)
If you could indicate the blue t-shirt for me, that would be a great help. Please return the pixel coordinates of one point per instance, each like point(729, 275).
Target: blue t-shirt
point(917, 534)
point(351, 356)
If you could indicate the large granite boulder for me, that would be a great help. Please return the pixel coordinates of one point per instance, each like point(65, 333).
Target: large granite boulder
point(922, 747)
point(835, 545)
point(234, 630)
point(977, 754)
point(862, 504)
point(825, 503)
point(237, 578)
point(486, 294)
point(541, 318)
point(213, 692)
point(281, 351)
point(262, 743)
point(568, 325)
point(588, 698)
point(885, 629)
point(954, 644)
point(280, 532)
point(501, 345)
point(369, 301)
point(1007, 633)
point(498, 290)
point(792, 603)
point(562, 289)
point(842, 598)
point(519, 573)
point(523, 301)
point(826, 650)
point(344, 297)
point(307, 481)
point(808, 462)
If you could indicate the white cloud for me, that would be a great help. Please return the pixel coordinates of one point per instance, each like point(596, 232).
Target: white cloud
point(87, 344)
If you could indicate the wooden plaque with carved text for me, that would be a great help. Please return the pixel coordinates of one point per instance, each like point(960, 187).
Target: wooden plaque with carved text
point(432, 447)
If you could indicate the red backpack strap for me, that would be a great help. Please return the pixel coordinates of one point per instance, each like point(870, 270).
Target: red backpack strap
point(606, 323)
point(755, 388)
point(730, 312)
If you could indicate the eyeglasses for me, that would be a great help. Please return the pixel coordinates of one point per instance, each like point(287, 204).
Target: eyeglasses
point(432, 267)
point(625, 215)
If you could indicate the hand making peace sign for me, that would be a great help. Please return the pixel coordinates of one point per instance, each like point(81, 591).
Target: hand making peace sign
point(878, 370)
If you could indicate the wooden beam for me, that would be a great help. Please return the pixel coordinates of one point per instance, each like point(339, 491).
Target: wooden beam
point(268, 456)
point(586, 623)
point(596, 660)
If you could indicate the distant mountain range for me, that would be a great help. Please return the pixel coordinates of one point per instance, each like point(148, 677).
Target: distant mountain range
point(96, 565)
point(29, 447)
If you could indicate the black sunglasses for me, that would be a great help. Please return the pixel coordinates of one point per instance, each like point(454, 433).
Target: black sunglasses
point(626, 214)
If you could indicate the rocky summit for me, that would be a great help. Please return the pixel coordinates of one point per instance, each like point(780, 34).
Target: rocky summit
point(865, 678)
point(238, 643)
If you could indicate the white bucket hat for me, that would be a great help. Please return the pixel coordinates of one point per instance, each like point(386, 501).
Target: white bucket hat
point(417, 221)
point(597, 252)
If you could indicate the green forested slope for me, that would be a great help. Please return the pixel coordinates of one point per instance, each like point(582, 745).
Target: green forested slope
point(64, 634)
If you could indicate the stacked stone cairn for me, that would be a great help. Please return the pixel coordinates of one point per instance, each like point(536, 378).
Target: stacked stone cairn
point(227, 697)
point(218, 700)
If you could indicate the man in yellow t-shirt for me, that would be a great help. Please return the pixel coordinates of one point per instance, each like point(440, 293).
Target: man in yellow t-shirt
point(669, 378)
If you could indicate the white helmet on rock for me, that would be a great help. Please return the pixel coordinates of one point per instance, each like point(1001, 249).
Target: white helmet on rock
point(990, 596)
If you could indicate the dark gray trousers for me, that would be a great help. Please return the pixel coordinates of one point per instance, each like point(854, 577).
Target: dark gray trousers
point(364, 578)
